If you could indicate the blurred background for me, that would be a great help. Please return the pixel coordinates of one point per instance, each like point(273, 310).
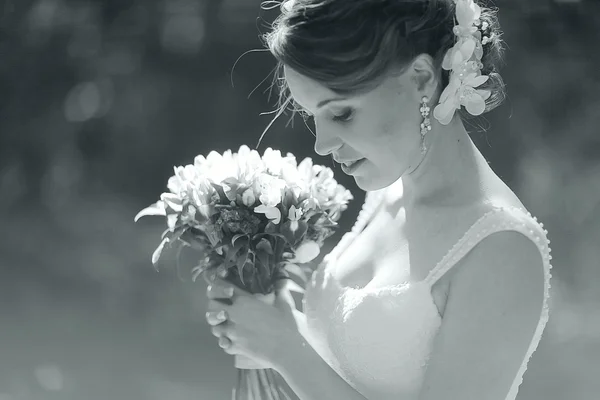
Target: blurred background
point(100, 99)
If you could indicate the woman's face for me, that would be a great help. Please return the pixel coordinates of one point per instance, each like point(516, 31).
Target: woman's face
point(381, 128)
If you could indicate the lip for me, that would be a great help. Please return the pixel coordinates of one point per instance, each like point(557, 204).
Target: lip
point(346, 160)
point(350, 170)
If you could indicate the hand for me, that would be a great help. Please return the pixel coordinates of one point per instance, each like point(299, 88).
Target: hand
point(247, 326)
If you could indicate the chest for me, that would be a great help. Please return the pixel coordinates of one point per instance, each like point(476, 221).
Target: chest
point(399, 246)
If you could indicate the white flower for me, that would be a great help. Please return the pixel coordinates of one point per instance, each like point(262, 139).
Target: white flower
point(464, 62)
point(467, 12)
point(270, 189)
point(273, 161)
point(217, 167)
point(294, 216)
point(183, 180)
point(463, 51)
point(249, 164)
point(462, 92)
point(272, 213)
point(248, 197)
point(294, 179)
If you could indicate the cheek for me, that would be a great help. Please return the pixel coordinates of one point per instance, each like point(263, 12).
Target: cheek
point(396, 129)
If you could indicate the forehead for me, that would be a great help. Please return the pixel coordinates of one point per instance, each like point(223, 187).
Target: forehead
point(306, 91)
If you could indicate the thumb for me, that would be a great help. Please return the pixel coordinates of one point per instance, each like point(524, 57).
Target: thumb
point(282, 295)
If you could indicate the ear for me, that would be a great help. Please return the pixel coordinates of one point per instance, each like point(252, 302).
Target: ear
point(424, 76)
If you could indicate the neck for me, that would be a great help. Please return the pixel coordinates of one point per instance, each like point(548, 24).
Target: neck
point(449, 172)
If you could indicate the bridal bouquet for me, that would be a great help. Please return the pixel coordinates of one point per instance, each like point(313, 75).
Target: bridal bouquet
point(259, 219)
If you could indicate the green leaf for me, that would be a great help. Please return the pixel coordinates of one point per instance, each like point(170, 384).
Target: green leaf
point(180, 247)
point(241, 271)
point(158, 251)
point(271, 228)
point(231, 253)
point(264, 258)
point(219, 189)
point(236, 237)
point(280, 245)
point(293, 237)
point(263, 277)
point(197, 271)
point(265, 245)
point(313, 220)
point(261, 235)
point(243, 259)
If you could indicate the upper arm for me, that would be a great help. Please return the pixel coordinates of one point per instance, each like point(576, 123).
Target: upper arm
point(493, 309)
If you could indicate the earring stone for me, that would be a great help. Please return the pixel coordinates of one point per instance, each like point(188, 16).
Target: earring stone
point(426, 123)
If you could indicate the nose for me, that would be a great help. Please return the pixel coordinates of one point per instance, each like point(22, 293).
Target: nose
point(326, 144)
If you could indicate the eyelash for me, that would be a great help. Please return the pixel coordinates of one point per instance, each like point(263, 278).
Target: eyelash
point(345, 117)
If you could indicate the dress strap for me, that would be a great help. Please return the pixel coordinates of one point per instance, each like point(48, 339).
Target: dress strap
point(496, 220)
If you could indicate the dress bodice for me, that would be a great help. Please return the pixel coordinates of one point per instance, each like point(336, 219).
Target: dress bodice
point(379, 339)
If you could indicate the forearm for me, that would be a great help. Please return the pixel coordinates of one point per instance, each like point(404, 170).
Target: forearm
point(310, 377)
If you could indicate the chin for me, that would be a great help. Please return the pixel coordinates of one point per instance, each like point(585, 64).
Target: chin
point(370, 183)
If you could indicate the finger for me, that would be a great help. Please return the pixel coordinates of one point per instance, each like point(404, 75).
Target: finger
point(216, 317)
point(226, 344)
point(224, 329)
point(217, 305)
point(219, 291)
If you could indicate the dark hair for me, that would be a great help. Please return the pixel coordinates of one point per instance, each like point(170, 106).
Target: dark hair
point(350, 46)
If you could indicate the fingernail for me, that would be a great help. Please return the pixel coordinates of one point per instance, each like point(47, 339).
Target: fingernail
point(222, 343)
point(228, 291)
point(221, 315)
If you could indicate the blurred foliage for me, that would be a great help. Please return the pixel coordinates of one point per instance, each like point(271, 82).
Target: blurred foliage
point(101, 98)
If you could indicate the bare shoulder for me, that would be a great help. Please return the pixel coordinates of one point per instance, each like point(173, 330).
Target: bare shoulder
point(494, 306)
point(505, 255)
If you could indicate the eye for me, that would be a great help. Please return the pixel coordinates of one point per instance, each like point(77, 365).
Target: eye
point(345, 116)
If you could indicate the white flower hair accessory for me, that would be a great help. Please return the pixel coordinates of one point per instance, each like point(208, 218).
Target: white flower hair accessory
point(463, 61)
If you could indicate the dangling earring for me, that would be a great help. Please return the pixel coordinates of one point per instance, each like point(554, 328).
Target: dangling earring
point(426, 124)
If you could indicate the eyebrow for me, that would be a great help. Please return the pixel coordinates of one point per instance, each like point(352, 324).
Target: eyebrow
point(325, 102)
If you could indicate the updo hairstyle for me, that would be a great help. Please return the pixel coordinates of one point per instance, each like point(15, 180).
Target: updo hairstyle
point(351, 46)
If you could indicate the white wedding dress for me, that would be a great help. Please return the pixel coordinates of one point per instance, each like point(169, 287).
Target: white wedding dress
point(379, 340)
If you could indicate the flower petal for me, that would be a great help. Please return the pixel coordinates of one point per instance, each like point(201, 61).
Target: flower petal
point(448, 57)
point(475, 81)
point(474, 104)
point(450, 90)
point(467, 48)
point(272, 213)
point(157, 208)
point(444, 112)
point(485, 94)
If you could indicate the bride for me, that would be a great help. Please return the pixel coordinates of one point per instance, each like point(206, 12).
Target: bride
point(440, 290)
